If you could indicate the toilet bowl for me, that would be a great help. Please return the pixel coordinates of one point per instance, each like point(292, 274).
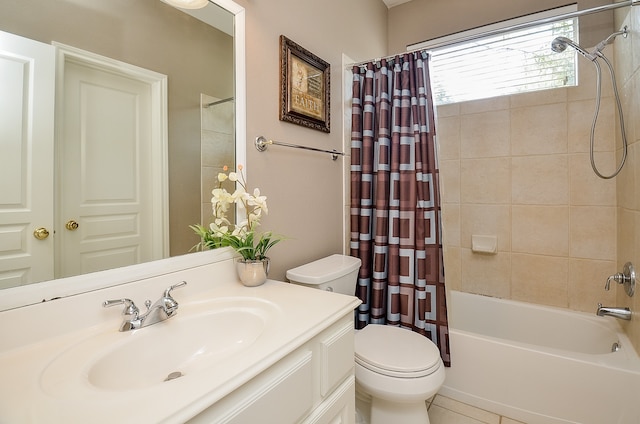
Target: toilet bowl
point(400, 370)
point(396, 369)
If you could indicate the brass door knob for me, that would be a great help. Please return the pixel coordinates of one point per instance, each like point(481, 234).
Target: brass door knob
point(71, 225)
point(41, 233)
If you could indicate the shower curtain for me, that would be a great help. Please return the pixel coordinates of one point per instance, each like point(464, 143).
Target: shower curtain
point(395, 201)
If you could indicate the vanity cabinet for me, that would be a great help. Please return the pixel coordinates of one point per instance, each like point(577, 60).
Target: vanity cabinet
point(314, 384)
point(274, 354)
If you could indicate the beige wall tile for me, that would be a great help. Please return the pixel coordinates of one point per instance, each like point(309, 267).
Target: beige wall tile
point(586, 187)
point(451, 224)
point(485, 134)
point(626, 180)
point(486, 274)
point(486, 220)
point(449, 137)
point(587, 82)
point(450, 181)
point(626, 235)
point(580, 120)
point(586, 284)
point(535, 98)
point(540, 279)
point(448, 110)
point(593, 232)
point(484, 105)
point(539, 130)
point(542, 230)
point(540, 180)
point(485, 180)
point(452, 268)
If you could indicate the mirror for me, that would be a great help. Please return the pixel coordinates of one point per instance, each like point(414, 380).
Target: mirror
point(202, 54)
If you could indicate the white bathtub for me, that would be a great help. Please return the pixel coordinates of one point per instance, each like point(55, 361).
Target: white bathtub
point(540, 365)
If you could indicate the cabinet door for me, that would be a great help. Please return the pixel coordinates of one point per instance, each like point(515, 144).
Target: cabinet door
point(280, 395)
point(338, 407)
point(27, 101)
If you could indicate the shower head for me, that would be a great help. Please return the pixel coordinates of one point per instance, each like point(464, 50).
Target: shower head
point(559, 44)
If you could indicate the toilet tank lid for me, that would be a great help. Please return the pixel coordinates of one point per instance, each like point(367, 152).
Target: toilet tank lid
point(323, 270)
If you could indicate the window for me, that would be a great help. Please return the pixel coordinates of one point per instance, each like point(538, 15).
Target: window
point(503, 63)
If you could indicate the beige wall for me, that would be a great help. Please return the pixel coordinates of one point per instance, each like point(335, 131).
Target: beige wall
point(421, 20)
point(628, 182)
point(304, 189)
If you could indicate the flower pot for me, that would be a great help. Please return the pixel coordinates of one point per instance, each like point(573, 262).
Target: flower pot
point(252, 273)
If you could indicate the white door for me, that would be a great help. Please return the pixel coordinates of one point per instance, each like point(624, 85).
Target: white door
point(27, 90)
point(110, 162)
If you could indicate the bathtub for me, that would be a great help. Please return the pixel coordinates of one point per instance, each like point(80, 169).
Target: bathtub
point(540, 365)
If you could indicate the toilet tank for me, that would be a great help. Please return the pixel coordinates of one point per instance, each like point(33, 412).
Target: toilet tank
point(338, 273)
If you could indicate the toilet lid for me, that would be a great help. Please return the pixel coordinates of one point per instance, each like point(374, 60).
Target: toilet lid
point(395, 351)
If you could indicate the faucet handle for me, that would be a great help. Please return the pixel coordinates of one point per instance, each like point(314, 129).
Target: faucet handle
point(618, 277)
point(167, 292)
point(627, 278)
point(130, 308)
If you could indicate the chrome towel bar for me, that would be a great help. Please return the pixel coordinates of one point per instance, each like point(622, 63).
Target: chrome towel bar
point(261, 144)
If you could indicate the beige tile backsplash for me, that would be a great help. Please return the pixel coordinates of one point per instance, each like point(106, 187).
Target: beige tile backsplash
point(517, 167)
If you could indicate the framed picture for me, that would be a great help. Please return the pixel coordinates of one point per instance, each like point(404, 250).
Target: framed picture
point(304, 87)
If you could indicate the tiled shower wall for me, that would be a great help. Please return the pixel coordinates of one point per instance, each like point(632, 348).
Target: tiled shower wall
point(517, 167)
point(628, 182)
point(217, 147)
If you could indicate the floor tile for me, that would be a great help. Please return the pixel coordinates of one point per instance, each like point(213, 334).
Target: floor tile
point(439, 415)
point(506, 420)
point(477, 414)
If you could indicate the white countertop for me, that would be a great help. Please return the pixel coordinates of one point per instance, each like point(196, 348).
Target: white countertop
point(36, 336)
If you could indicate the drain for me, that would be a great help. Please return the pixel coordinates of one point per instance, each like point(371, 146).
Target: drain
point(173, 376)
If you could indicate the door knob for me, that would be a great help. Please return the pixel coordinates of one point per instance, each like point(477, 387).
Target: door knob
point(71, 225)
point(41, 233)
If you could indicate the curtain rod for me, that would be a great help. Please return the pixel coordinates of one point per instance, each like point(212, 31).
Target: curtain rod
point(261, 144)
point(516, 27)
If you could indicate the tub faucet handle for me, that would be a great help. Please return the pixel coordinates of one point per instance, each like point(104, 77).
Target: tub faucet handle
point(627, 278)
point(618, 277)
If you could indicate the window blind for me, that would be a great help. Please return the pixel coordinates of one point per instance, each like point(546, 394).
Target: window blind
point(508, 63)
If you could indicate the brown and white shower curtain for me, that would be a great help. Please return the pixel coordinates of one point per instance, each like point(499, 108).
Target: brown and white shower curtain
point(395, 201)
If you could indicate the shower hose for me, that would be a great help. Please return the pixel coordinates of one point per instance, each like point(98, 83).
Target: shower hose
point(597, 111)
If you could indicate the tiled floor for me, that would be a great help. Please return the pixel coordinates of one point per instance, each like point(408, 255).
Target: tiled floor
point(443, 410)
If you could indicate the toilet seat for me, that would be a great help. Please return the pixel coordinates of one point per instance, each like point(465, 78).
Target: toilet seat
point(396, 352)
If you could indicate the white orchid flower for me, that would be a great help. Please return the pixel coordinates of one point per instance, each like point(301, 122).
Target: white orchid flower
point(258, 201)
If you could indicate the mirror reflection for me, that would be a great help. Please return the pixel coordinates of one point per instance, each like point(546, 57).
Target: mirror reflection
point(100, 170)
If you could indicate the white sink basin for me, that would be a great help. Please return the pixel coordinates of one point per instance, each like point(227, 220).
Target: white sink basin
point(201, 335)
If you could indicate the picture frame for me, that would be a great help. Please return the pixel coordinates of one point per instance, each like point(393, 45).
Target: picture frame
point(304, 87)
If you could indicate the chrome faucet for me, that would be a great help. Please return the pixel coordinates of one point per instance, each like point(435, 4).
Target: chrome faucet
point(620, 313)
point(163, 308)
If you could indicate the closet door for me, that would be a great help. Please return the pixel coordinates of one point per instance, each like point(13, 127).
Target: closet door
point(111, 164)
point(27, 87)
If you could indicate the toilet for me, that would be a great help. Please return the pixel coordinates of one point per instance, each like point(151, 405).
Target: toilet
point(396, 369)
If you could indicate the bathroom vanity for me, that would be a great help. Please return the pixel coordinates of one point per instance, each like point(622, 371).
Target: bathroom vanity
point(277, 353)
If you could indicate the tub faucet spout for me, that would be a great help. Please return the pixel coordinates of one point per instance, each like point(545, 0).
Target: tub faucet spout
point(620, 313)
